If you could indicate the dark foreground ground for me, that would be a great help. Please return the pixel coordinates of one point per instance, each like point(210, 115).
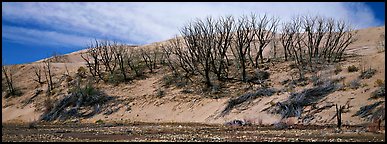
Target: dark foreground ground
point(177, 132)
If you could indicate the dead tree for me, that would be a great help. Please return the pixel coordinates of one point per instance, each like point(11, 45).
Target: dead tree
point(168, 50)
point(287, 39)
point(380, 45)
point(345, 37)
point(38, 74)
point(134, 62)
point(48, 74)
point(107, 55)
point(326, 39)
point(338, 115)
point(9, 79)
point(149, 57)
point(120, 56)
point(185, 60)
point(274, 48)
point(198, 38)
point(243, 37)
point(223, 38)
point(265, 30)
point(92, 58)
point(297, 46)
point(314, 28)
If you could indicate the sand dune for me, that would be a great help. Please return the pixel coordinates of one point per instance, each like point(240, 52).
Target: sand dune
point(179, 107)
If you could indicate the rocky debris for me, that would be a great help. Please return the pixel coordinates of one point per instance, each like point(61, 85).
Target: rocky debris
point(237, 123)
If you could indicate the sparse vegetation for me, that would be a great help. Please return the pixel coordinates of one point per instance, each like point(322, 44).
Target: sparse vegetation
point(337, 69)
point(80, 98)
point(381, 43)
point(372, 112)
point(160, 93)
point(352, 68)
point(199, 63)
point(81, 72)
point(378, 93)
point(38, 74)
point(293, 106)
point(354, 84)
point(99, 121)
point(379, 83)
point(366, 74)
point(48, 75)
point(7, 73)
point(247, 97)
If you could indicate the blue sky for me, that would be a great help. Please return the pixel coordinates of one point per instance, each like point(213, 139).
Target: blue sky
point(33, 31)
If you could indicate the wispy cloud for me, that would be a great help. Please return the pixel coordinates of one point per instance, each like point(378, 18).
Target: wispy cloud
point(140, 23)
point(42, 37)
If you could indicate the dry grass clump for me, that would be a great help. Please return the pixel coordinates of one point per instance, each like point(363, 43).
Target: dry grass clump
point(352, 68)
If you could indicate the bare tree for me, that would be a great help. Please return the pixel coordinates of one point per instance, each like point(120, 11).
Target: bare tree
point(265, 30)
point(297, 45)
point(9, 79)
point(168, 50)
point(134, 62)
point(185, 60)
point(149, 57)
point(38, 74)
point(121, 56)
point(338, 115)
point(222, 41)
point(380, 44)
point(243, 37)
point(198, 38)
point(339, 36)
point(287, 38)
point(92, 58)
point(107, 55)
point(315, 29)
point(48, 74)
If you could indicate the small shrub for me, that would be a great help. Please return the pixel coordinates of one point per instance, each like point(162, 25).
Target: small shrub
point(114, 78)
point(300, 82)
point(215, 89)
point(292, 65)
point(81, 72)
point(338, 69)
point(48, 104)
point(176, 80)
point(259, 122)
point(352, 68)
point(379, 93)
point(354, 84)
point(261, 75)
point(187, 91)
point(379, 83)
point(316, 80)
point(364, 85)
point(99, 121)
point(160, 93)
point(367, 73)
point(283, 82)
point(69, 79)
point(16, 92)
point(32, 125)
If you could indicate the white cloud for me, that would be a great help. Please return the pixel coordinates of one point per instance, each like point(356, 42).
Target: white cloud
point(42, 38)
point(142, 23)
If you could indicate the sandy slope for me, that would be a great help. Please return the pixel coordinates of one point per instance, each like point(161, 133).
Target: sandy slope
point(178, 107)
